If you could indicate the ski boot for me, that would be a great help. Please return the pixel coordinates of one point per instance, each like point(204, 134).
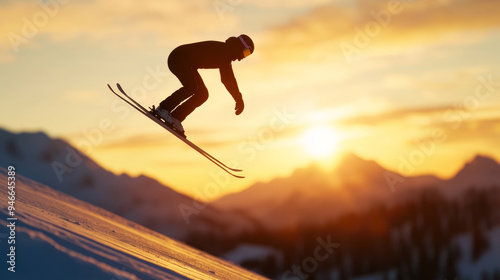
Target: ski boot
point(167, 118)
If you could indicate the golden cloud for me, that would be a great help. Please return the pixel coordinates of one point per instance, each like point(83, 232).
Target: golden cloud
point(396, 116)
point(340, 29)
point(132, 22)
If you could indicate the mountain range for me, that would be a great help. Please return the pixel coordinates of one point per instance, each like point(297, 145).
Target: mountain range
point(309, 195)
point(251, 222)
point(313, 196)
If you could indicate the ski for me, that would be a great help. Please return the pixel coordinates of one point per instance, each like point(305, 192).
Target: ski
point(145, 112)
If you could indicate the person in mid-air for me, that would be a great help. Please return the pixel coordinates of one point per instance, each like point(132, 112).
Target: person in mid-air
point(184, 62)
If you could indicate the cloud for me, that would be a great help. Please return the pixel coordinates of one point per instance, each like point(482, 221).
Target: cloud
point(128, 22)
point(321, 32)
point(137, 142)
point(287, 4)
point(396, 116)
point(456, 121)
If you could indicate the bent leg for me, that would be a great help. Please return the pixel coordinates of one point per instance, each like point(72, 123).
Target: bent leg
point(188, 80)
point(175, 99)
point(179, 66)
point(198, 97)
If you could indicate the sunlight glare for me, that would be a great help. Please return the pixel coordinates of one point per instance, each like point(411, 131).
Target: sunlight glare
point(320, 141)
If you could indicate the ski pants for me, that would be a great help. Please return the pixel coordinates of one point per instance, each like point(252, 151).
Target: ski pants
point(193, 92)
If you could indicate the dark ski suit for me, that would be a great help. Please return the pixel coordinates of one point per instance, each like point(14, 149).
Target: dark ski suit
point(184, 62)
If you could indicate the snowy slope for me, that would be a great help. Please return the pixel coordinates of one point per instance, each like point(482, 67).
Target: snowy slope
point(489, 261)
point(60, 237)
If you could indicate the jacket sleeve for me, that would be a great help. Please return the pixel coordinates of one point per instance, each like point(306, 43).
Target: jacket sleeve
point(229, 81)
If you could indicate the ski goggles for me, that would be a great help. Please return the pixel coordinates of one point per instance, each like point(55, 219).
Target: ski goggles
point(247, 51)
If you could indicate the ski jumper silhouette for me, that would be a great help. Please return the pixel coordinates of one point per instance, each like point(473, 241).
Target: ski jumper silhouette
point(184, 62)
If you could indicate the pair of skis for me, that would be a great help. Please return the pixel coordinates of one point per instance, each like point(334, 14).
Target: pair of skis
point(125, 97)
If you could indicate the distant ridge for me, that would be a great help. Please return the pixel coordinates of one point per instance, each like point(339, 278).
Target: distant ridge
point(57, 164)
point(480, 172)
point(312, 196)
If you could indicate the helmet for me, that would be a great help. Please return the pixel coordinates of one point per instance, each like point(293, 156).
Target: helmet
point(247, 43)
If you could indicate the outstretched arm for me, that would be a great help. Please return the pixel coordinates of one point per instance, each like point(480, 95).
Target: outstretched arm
point(229, 81)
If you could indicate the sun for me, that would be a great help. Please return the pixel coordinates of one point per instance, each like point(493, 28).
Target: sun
point(320, 141)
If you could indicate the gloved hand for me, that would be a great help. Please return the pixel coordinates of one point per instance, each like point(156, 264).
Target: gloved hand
point(239, 106)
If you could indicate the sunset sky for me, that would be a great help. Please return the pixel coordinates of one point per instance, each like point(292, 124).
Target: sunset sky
point(413, 85)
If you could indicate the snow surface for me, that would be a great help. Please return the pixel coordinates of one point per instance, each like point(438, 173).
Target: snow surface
point(61, 237)
point(246, 252)
point(488, 262)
